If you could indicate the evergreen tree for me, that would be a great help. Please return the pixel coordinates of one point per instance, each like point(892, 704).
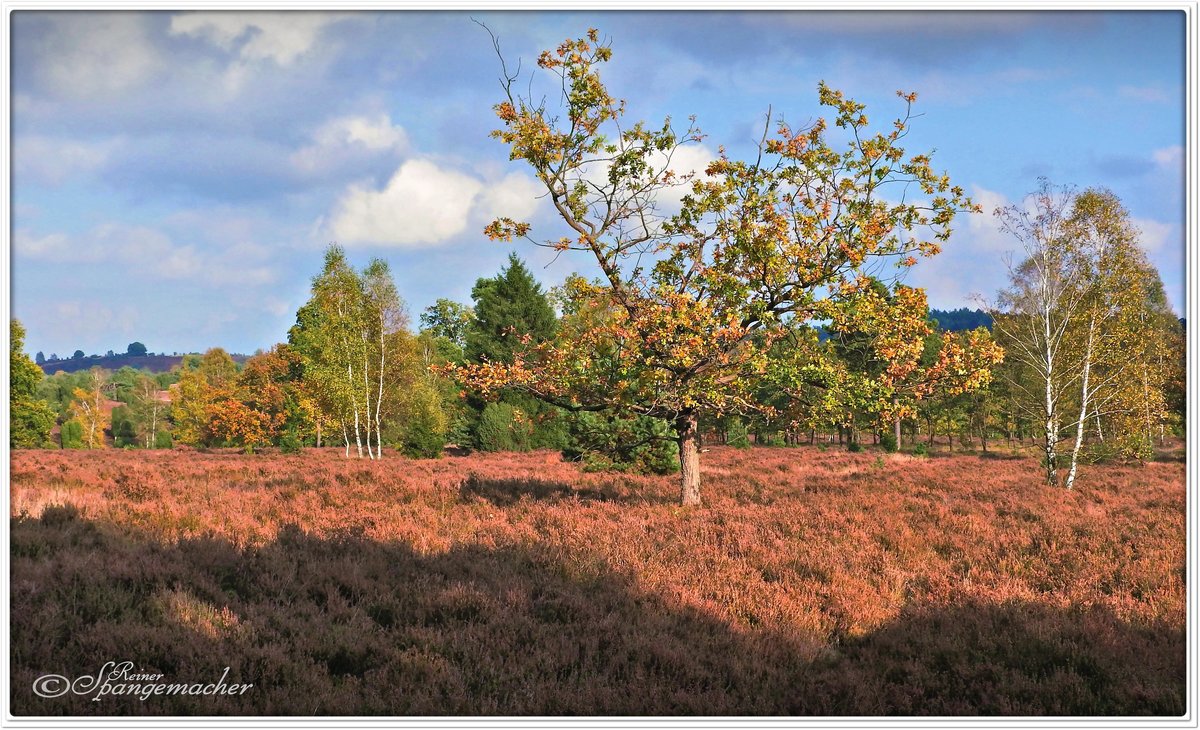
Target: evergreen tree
point(513, 312)
point(508, 307)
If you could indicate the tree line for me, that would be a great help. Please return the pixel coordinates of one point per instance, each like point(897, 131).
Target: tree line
point(766, 303)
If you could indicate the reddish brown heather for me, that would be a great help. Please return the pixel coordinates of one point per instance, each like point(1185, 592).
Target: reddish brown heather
point(810, 583)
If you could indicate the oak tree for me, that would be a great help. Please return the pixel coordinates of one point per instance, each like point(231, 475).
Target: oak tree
point(696, 297)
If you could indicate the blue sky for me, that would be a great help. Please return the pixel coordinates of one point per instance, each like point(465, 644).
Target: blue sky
point(176, 176)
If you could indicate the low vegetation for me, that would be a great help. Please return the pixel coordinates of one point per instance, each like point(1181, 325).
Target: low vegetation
point(811, 582)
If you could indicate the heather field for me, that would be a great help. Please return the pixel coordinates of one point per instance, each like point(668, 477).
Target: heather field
point(810, 582)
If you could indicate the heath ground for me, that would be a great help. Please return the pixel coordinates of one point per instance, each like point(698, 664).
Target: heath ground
point(810, 582)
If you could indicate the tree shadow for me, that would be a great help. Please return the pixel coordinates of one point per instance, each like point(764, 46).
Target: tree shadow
point(347, 625)
point(1001, 456)
point(507, 491)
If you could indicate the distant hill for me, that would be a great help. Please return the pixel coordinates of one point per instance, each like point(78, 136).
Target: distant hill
point(957, 320)
point(948, 320)
point(153, 363)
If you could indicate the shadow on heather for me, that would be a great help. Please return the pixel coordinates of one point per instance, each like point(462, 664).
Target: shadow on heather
point(347, 625)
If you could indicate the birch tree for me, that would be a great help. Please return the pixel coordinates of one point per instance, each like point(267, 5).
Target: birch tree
point(347, 335)
point(88, 410)
point(149, 409)
point(1072, 318)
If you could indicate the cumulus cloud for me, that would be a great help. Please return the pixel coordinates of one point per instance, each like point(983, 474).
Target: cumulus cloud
point(515, 196)
point(281, 37)
point(686, 160)
point(424, 204)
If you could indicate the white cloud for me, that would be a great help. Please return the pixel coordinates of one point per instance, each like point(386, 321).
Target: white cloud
point(686, 160)
point(425, 205)
point(51, 160)
point(145, 252)
point(282, 37)
point(690, 159)
point(1154, 234)
point(1169, 158)
point(26, 244)
point(421, 205)
point(983, 229)
point(350, 137)
point(81, 322)
point(98, 54)
point(514, 196)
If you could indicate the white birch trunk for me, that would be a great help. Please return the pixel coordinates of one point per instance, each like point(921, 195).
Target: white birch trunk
point(379, 397)
point(1085, 396)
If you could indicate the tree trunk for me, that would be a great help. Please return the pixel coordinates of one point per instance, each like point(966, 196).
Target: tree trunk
point(379, 398)
point(1084, 395)
point(689, 458)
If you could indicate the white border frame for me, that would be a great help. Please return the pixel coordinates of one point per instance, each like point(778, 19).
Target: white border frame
point(1190, 8)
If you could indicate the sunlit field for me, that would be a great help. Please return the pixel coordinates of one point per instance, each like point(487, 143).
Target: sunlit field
point(811, 582)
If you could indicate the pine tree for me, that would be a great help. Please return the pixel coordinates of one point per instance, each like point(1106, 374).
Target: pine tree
point(508, 307)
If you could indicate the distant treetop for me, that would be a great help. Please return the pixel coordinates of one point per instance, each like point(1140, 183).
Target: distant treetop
point(961, 319)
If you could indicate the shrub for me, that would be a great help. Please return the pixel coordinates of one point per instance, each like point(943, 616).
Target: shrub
point(72, 435)
point(920, 449)
point(502, 428)
point(123, 430)
point(736, 435)
point(289, 441)
point(461, 430)
point(427, 424)
point(888, 442)
point(854, 447)
point(614, 442)
point(548, 426)
point(162, 440)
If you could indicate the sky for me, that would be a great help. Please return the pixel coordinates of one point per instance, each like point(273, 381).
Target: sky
point(176, 176)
